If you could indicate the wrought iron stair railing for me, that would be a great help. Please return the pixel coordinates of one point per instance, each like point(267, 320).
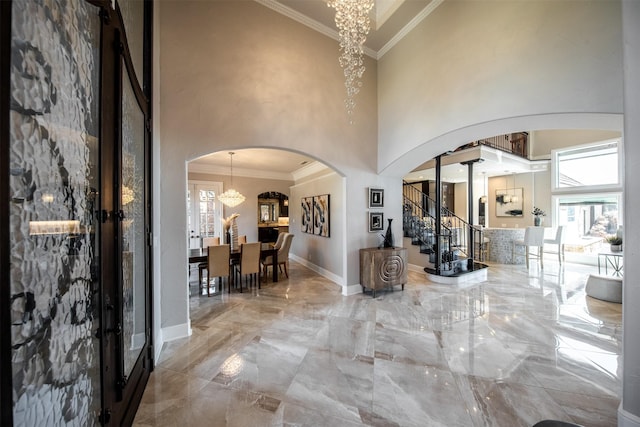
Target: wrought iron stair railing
point(456, 234)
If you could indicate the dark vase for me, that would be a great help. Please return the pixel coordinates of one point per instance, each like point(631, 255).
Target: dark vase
point(388, 238)
point(537, 221)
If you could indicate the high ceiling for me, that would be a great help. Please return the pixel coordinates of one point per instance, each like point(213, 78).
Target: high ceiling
point(390, 20)
point(252, 162)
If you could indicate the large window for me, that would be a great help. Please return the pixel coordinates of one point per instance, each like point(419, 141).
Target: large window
point(595, 165)
point(587, 195)
point(589, 219)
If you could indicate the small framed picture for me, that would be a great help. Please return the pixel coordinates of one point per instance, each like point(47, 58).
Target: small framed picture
point(376, 198)
point(376, 220)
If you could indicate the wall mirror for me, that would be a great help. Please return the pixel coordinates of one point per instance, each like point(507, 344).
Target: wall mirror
point(272, 206)
point(268, 210)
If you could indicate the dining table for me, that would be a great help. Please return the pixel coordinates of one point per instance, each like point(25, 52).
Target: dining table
point(198, 255)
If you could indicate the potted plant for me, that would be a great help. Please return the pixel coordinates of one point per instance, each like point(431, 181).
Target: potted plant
point(615, 243)
point(537, 216)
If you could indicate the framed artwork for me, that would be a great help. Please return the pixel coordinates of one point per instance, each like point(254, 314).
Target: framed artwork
point(376, 220)
point(306, 223)
point(376, 198)
point(509, 202)
point(321, 215)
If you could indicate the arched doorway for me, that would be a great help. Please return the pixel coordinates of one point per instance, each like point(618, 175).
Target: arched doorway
point(273, 215)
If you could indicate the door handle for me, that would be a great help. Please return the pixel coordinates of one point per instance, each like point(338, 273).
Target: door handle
point(117, 330)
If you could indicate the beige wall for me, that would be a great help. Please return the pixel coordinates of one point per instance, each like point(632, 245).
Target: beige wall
point(542, 142)
point(250, 188)
point(474, 69)
point(238, 75)
point(524, 181)
point(461, 205)
point(235, 74)
point(320, 253)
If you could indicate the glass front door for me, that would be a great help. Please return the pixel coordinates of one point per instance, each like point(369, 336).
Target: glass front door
point(54, 238)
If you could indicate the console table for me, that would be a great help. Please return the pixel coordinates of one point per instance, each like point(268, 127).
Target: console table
point(383, 268)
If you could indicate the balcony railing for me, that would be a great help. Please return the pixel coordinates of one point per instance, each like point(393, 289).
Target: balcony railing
point(514, 143)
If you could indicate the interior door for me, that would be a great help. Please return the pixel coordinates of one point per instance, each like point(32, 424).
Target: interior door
point(204, 212)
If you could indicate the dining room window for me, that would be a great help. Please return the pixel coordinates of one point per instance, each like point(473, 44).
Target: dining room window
point(203, 212)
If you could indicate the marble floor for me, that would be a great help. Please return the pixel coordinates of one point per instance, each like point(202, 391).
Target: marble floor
point(521, 347)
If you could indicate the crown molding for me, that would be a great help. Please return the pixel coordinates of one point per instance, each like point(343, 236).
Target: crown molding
point(195, 167)
point(305, 171)
point(410, 26)
point(308, 170)
point(305, 20)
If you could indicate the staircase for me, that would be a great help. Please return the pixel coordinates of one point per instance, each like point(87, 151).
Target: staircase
point(453, 237)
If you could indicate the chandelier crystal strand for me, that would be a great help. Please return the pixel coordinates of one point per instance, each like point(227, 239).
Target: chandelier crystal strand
point(352, 20)
point(231, 197)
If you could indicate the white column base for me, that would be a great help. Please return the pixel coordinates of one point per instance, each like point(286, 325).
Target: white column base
point(627, 419)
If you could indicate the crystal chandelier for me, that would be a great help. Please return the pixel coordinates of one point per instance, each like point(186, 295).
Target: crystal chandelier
point(231, 197)
point(352, 20)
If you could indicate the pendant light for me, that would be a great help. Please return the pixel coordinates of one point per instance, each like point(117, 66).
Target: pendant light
point(514, 198)
point(231, 197)
point(483, 199)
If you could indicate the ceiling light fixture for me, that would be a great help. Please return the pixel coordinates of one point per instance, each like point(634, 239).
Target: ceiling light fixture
point(352, 20)
point(231, 197)
point(483, 199)
point(514, 197)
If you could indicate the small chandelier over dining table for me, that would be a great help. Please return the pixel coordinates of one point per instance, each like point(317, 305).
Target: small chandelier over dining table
point(231, 197)
point(352, 20)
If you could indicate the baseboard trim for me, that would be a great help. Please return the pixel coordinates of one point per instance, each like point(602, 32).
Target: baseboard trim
point(171, 333)
point(321, 271)
point(351, 290)
point(627, 419)
point(158, 342)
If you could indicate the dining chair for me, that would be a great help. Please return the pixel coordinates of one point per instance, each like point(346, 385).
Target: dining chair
point(533, 237)
point(279, 240)
point(242, 239)
point(558, 240)
point(249, 263)
point(210, 241)
point(283, 256)
point(218, 258)
point(206, 242)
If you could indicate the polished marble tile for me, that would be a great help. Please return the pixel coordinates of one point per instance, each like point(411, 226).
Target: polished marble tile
point(523, 346)
point(414, 395)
